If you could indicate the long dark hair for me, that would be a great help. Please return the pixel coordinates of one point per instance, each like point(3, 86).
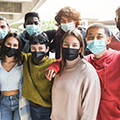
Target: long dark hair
point(18, 57)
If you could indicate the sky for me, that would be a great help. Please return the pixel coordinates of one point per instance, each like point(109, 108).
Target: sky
point(98, 9)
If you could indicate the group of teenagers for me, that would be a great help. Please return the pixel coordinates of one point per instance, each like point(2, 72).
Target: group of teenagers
point(71, 86)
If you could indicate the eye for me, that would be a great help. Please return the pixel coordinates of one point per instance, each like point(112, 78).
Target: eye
point(3, 27)
point(75, 45)
point(40, 48)
point(65, 44)
point(8, 44)
point(36, 23)
point(32, 48)
point(99, 37)
point(70, 20)
point(15, 45)
point(62, 21)
point(29, 23)
point(90, 38)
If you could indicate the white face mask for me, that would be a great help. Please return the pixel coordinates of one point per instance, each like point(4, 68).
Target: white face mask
point(67, 26)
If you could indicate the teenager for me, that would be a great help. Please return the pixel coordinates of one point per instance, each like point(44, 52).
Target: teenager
point(31, 25)
point(66, 19)
point(36, 87)
point(76, 88)
point(12, 105)
point(4, 29)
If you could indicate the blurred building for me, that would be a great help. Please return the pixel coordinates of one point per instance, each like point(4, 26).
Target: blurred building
point(14, 10)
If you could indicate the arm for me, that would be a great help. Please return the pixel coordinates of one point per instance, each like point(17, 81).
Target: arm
point(53, 69)
point(90, 97)
point(51, 36)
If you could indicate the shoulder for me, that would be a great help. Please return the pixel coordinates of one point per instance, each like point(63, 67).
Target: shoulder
point(50, 60)
point(48, 32)
point(89, 71)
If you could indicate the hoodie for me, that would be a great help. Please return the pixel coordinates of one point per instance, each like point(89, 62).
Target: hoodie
point(108, 69)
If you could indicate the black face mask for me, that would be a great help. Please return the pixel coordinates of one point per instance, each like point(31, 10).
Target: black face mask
point(70, 54)
point(118, 25)
point(10, 52)
point(38, 56)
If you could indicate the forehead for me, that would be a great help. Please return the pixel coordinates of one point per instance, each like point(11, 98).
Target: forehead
point(32, 19)
point(96, 31)
point(38, 45)
point(12, 40)
point(2, 22)
point(71, 39)
point(65, 18)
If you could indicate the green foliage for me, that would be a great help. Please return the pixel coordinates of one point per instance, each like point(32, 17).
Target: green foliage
point(47, 25)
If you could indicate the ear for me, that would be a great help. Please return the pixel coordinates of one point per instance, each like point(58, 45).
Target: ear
point(86, 39)
point(115, 20)
point(47, 49)
point(24, 25)
point(9, 29)
point(80, 49)
point(108, 40)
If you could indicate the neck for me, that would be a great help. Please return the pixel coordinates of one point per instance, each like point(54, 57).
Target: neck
point(9, 59)
point(73, 61)
point(101, 54)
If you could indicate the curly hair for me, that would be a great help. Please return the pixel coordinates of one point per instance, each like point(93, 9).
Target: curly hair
point(68, 12)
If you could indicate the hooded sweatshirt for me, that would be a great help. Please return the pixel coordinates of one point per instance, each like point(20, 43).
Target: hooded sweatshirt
point(108, 69)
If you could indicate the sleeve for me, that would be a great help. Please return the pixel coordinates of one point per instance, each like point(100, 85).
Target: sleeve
point(90, 96)
point(55, 66)
point(51, 36)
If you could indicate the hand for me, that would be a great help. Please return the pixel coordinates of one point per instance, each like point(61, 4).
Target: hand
point(50, 74)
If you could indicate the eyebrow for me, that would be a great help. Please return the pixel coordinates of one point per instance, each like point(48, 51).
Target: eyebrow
point(97, 34)
point(73, 43)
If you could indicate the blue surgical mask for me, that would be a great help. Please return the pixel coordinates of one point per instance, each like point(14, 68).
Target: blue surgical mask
point(96, 46)
point(3, 33)
point(32, 29)
point(67, 26)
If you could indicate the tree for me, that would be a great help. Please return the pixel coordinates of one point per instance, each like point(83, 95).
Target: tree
point(47, 25)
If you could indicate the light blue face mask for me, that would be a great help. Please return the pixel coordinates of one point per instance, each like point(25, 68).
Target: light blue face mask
point(96, 46)
point(32, 29)
point(3, 33)
point(67, 26)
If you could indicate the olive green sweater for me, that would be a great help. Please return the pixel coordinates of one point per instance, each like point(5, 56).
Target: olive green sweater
point(36, 87)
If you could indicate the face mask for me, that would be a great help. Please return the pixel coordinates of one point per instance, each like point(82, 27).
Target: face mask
point(32, 29)
point(67, 26)
point(38, 56)
point(118, 25)
point(70, 54)
point(3, 33)
point(96, 46)
point(10, 52)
